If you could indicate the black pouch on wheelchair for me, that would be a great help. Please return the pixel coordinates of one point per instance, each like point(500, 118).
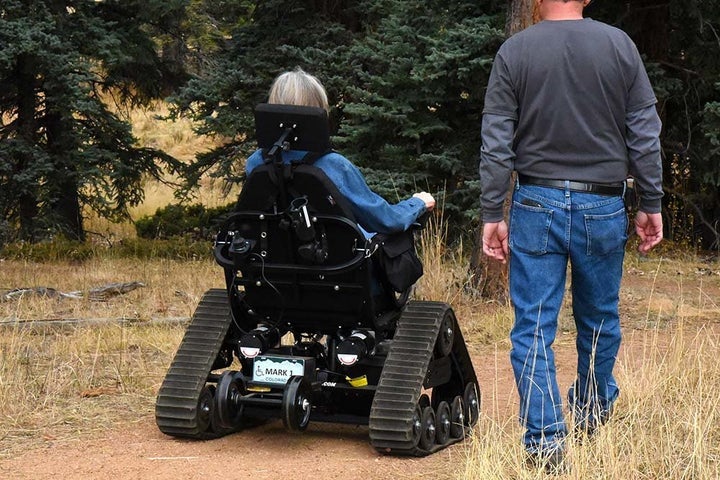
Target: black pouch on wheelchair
point(397, 260)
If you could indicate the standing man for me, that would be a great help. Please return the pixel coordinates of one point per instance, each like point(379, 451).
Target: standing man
point(570, 108)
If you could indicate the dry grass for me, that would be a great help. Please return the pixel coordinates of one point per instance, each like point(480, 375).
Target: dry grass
point(66, 383)
point(664, 426)
point(446, 278)
point(176, 138)
point(58, 383)
point(62, 384)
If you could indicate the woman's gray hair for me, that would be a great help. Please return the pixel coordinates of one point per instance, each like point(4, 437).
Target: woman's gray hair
point(298, 88)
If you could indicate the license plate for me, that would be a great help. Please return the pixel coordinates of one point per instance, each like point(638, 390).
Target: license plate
point(276, 370)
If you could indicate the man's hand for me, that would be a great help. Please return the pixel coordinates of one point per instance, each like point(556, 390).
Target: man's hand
point(495, 241)
point(649, 227)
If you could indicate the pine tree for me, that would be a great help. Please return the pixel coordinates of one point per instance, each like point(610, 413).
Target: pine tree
point(273, 36)
point(61, 148)
point(412, 107)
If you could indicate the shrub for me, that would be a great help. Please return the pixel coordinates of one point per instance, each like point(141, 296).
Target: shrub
point(57, 249)
point(63, 250)
point(193, 221)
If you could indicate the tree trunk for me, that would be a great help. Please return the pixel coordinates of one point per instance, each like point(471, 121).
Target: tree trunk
point(521, 14)
point(489, 277)
point(648, 23)
point(27, 202)
point(65, 203)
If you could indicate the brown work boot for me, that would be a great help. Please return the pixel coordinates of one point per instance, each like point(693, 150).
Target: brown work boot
point(551, 461)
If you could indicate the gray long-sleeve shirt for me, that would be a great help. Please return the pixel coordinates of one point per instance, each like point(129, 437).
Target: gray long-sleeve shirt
point(569, 100)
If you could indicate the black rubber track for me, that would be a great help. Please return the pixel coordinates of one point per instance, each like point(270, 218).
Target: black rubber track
point(402, 378)
point(176, 411)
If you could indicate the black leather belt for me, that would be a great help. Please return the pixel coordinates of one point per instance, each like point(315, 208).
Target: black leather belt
point(610, 189)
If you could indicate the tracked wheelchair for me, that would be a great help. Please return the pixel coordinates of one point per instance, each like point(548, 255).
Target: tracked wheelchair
point(302, 332)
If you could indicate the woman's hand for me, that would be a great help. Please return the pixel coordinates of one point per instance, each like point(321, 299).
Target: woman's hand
point(427, 198)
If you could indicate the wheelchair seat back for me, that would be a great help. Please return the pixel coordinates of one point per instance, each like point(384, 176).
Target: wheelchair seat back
point(293, 246)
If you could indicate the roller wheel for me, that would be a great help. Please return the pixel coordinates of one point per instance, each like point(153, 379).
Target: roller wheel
point(442, 423)
point(297, 403)
point(215, 429)
point(427, 435)
point(229, 391)
point(446, 336)
point(471, 398)
point(457, 417)
point(417, 425)
point(205, 407)
point(424, 401)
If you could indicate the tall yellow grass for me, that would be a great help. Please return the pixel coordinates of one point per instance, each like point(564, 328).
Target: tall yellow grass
point(61, 384)
point(446, 278)
point(665, 425)
point(153, 128)
point(172, 288)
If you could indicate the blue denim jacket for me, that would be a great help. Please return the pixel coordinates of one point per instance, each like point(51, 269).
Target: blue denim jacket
point(372, 212)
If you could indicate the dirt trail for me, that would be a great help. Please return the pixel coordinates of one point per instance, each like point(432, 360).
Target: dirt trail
point(264, 453)
point(268, 452)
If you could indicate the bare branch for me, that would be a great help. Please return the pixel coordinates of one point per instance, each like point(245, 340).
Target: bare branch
point(713, 228)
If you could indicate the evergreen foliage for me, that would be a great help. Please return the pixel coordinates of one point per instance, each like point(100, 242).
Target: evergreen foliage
point(407, 79)
point(412, 107)
point(61, 148)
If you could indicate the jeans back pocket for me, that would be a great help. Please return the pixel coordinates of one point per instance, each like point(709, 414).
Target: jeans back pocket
point(530, 228)
point(606, 233)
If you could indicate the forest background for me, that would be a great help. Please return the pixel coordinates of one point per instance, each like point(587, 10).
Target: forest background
point(406, 81)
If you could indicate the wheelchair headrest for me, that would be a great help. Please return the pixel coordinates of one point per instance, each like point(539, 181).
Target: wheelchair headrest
point(310, 129)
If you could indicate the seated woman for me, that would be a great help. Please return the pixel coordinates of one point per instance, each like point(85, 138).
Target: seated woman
point(371, 211)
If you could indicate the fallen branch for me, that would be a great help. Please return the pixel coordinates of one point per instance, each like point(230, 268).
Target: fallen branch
point(60, 324)
point(99, 294)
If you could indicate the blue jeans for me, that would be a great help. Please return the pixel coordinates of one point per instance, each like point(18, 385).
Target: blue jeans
point(548, 227)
